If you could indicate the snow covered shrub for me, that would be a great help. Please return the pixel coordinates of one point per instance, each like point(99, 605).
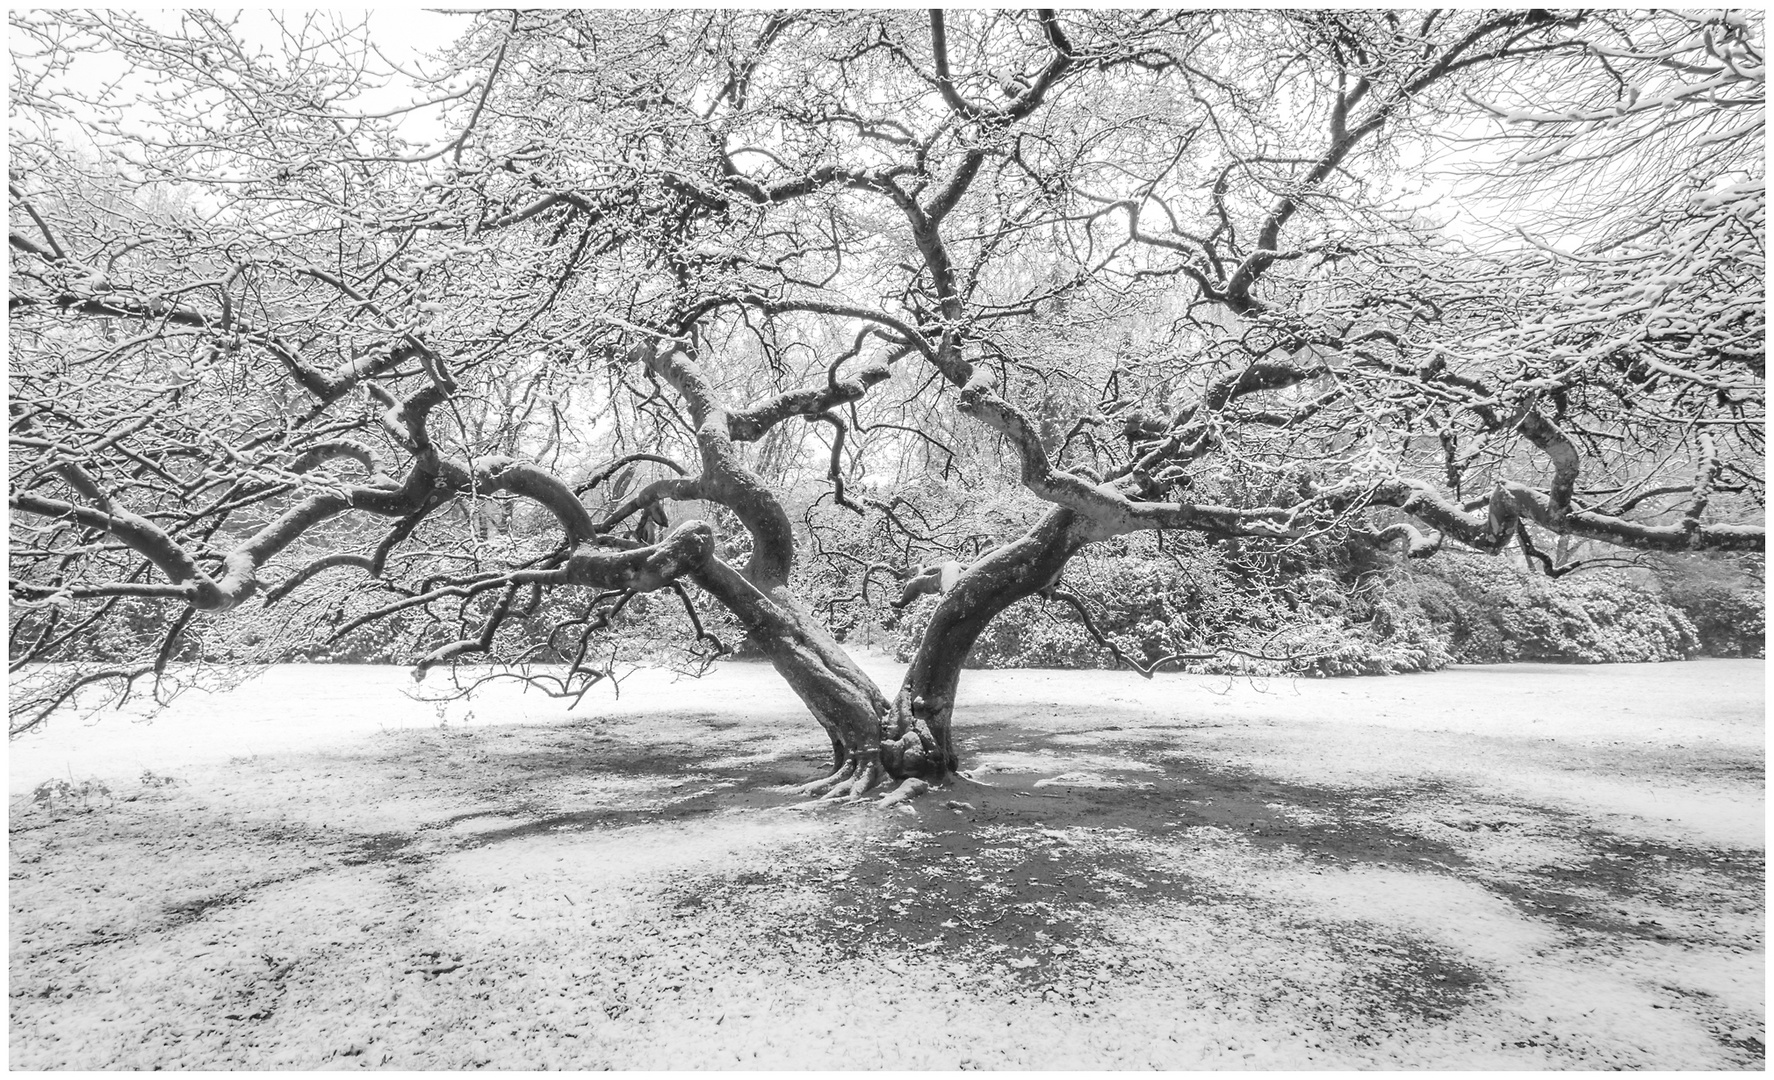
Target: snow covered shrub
point(1156, 601)
point(1724, 599)
point(1607, 619)
point(1394, 639)
point(1487, 611)
point(130, 622)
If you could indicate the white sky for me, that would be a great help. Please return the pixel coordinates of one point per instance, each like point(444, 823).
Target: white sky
point(416, 29)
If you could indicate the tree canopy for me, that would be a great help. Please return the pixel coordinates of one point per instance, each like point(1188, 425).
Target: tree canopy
point(595, 303)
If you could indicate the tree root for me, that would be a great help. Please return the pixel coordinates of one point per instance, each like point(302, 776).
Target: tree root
point(820, 787)
point(867, 776)
point(905, 792)
point(856, 779)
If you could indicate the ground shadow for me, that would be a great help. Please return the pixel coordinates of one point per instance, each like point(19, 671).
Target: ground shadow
point(1161, 794)
point(1022, 860)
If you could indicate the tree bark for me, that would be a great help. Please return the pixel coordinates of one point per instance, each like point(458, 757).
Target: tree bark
point(873, 739)
point(839, 694)
point(919, 742)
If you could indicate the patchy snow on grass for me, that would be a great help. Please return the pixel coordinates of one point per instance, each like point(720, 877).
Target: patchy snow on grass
point(1485, 868)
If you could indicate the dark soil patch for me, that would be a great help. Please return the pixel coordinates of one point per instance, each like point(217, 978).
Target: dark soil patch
point(1345, 827)
point(1411, 978)
point(1017, 872)
point(1621, 869)
point(377, 847)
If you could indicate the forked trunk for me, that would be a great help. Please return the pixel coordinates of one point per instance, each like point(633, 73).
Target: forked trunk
point(874, 740)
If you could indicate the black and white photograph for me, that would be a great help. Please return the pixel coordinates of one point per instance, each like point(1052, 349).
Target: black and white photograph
point(886, 539)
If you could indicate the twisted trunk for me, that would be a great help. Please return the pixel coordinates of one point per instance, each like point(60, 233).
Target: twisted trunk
point(872, 739)
point(845, 701)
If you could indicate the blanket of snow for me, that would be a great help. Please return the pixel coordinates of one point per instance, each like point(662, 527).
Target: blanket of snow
point(1529, 866)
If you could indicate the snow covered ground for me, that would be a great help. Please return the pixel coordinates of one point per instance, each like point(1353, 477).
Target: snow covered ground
point(1513, 867)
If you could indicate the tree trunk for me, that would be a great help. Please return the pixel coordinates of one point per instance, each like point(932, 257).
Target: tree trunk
point(908, 738)
point(839, 694)
point(919, 742)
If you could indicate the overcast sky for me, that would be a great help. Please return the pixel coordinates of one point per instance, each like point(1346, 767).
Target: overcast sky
point(416, 29)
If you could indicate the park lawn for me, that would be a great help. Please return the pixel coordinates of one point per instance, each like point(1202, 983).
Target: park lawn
point(1485, 868)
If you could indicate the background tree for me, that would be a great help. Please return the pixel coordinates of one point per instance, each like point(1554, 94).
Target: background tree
point(596, 327)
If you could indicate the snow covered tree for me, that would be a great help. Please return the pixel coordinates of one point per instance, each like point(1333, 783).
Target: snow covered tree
point(588, 311)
